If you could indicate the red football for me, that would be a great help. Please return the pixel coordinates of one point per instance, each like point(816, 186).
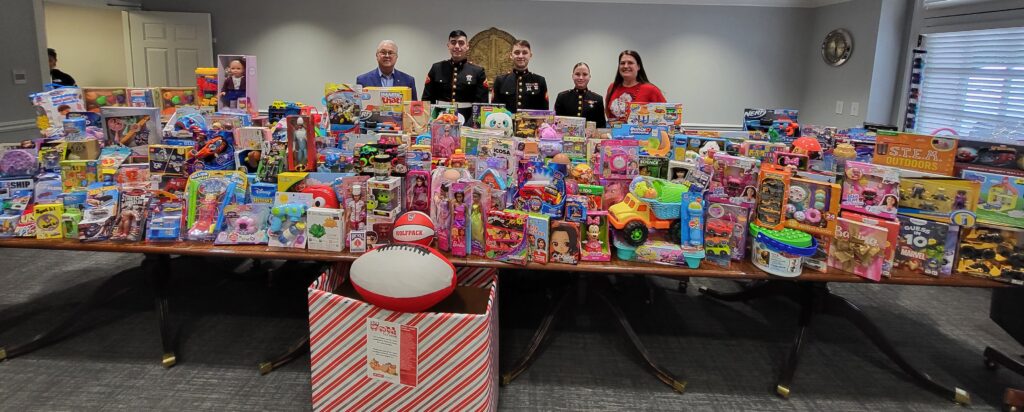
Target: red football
point(403, 277)
point(413, 227)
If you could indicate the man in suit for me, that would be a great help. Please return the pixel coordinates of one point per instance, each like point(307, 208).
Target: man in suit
point(385, 75)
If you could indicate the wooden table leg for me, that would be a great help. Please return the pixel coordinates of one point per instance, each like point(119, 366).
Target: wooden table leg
point(788, 368)
point(995, 359)
point(540, 337)
point(298, 349)
point(111, 288)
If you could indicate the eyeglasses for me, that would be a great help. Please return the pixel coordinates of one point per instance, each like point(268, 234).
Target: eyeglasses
point(387, 53)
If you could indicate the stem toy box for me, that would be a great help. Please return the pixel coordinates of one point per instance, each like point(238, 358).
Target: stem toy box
point(926, 247)
point(734, 180)
point(993, 252)
point(919, 152)
point(945, 200)
point(382, 108)
point(871, 189)
point(661, 114)
point(812, 206)
point(506, 236)
point(537, 229)
point(236, 76)
point(859, 248)
point(324, 229)
point(1000, 202)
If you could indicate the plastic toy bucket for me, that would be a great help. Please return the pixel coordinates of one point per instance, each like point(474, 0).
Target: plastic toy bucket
point(781, 252)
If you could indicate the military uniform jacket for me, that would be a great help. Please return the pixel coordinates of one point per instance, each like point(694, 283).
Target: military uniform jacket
point(521, 90)
point(581, 103)
point(451, 82)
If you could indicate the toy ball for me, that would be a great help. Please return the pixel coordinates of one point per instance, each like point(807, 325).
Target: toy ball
point(101, 100)
point(413, 227)
point(403, 277)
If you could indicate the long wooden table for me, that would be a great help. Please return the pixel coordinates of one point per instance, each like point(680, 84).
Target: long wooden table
point(809, 290)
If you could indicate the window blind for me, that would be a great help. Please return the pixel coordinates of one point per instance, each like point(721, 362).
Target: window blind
point(973, 81)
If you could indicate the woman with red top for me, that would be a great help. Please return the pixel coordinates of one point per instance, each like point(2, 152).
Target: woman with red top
point(631, 85)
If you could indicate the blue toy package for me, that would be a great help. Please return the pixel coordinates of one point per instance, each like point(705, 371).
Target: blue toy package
point(164, 220)
point(541, 188)
point(653, 140)
point(48, 188)
point(98, 216)
point(263, 193)
point(576, 208)
point(777, 124)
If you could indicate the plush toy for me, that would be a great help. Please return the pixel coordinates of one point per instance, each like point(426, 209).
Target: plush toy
point(548, 132)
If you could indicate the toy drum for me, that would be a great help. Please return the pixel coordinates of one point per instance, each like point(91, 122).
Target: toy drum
point(781, 252)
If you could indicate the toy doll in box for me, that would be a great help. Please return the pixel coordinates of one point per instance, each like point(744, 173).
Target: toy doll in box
point(734, 180)
point(565, 242)
point(1000, 201)
point(301, 144)
point(417, 191)
point(479, 199)
point(444, 139)
point(926, 247)
point(812, 206)
point(871, 189)
point(538, 228)
point(506, 236)
point(596, 242)
point(993, 252)
point(459, 236)
point(236, 76)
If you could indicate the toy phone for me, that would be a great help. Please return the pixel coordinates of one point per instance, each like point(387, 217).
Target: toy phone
point(772, 195)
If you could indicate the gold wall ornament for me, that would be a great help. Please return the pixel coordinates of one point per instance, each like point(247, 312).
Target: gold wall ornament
point(490, 49)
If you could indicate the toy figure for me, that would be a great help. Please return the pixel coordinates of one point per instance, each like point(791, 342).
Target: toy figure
point(476, 218)
point(960, 201)
point(594, 243)
point(234, 85)
point(355, 208)
point(458, 238)
point(941, 195)
point(300, 144)
point(918, 191)
point(540, 253)
point(444, 216)
point(206, 215)
point(564, 245)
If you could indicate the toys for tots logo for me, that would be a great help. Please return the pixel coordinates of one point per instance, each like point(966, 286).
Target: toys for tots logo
point(376, 327)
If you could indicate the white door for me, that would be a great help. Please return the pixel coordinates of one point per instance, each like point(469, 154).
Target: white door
point(165, 48)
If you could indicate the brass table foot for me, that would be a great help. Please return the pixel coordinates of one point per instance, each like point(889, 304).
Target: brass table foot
point(169, 360)
point(962, 398)
point(782, 391)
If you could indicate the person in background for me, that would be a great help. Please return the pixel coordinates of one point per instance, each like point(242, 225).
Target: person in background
point(457, 81)
point(631, 85)
point(57, 76)
point(580, 101)
point(520, 89)
point(386, 75)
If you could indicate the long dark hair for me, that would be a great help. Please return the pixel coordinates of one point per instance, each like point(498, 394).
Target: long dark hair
point(641, 74)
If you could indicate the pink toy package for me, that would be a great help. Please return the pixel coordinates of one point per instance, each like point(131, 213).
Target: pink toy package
point(734, 180)
point(444, 139)
point(441, 180)
point(733, 217)
point(858, 248)
point(460, 219)
point(871, 189)
point(620, 159)
point(417, 191)
point(354, 192)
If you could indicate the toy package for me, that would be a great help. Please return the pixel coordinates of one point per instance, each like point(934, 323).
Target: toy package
point(18, 162)
point(173, 98)
point(288, 220)
point(343, 108)
point(479, 203)
point(528, 124)
point(48, 220)
point(728, 221)
point(772, 198)
point(662, 114)
point(597, 241)
point(354, 192)
point(537, 229)
point(576, 208)
point(97, 97)
point(575, 147)
point(1000, 202)
point(619, 159)
point(26, 226)
point(82, 150)
point(131, 215)
point(324, 229)
point(54, 105)
point(251, 138)
point(98, 216)
point(999, 151)
point(946, 200)
point(380, 228)
point(415, 118)
point(919, 152)
point(564, 242)
point(444, 139)
point(135, 127)
point(812, 206)
point(301, 144)
point(206, 202)
point(570, 126)
point(385, 196)
point(382, 107)
point(893, 240)
point(994, 253)
point(143, 97)
point(871, 189)
point(206, 84)
point(244, 224)
point(858, 248)
point(733, 180)
point(458, 238)
point(8, 223)
point(541, 188)
point(78, 174)
point(165, 217)
point(926, 247)
point(417, 191)
point(506, 236)
point(772, 123)
point(273, 161)
point(655, 141)
point(491, 116)
point(48, 189)
point(236, 76)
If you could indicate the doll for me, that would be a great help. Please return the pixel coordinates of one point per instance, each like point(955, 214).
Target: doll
point(299, 144)
point(355, 208)
point(446, 143)
point(540, 253)
point(233, 88)
point(476, 220)
point(565, 245)
point(594, 244)
point(444, 216)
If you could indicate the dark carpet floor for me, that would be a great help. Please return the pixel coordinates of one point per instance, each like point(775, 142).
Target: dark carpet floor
point(729, 353)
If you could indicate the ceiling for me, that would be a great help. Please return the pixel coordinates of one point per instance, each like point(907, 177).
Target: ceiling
point(748, 3)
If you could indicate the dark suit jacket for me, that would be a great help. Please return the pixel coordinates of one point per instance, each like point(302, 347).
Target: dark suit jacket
point(372, 79)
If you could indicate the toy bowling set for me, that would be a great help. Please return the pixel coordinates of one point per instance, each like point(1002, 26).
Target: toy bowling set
point(923, 153)
point(1000, 201)
point(926, 247)
point(993, 252)
point(871, 189)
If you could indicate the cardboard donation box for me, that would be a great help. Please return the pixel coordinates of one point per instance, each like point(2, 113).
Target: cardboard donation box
point(363, 357)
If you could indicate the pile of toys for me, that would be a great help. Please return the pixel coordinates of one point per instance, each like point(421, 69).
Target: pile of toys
point(375, 168)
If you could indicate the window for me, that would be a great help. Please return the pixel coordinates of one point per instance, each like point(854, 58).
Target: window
point(972, 82)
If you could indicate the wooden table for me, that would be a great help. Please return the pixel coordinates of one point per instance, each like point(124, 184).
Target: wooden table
point(810, 291)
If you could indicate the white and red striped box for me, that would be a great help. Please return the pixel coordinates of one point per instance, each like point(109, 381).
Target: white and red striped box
point(363, 357)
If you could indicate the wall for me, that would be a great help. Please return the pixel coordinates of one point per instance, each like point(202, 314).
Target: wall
point(21, 51)
point(89, 43)
point(715, 60)
point(823, 85)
